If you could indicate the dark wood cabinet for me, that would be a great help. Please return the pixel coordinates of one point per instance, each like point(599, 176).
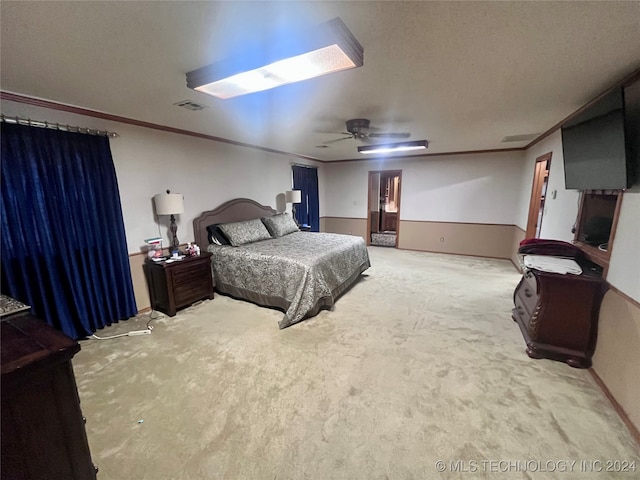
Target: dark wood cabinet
point(43, 432)
point(179, 284)
point(389, 221)
point(558, 315)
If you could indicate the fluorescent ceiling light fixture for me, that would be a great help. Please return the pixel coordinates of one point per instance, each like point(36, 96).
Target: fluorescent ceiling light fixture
point(395, 147)
point(328, 48)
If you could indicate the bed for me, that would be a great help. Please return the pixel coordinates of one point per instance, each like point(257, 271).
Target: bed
point(297, 272)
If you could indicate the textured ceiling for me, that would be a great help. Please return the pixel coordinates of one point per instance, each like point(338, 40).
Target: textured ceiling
point(462, 75)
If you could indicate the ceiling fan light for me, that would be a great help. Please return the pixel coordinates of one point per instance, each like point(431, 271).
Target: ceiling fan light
point(395, 147)
point(327, 49)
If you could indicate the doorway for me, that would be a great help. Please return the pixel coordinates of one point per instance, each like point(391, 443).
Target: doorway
point(538, 195)
point(383, 218)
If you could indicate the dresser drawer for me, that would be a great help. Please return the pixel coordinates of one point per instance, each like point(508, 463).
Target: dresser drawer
point(522, 309)
point(527, 294)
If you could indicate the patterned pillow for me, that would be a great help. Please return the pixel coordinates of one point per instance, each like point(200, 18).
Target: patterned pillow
point(248, 231)
point(280, 225)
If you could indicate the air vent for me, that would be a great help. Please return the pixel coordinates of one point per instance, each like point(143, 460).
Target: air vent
point(520, 138)
point(190, 105)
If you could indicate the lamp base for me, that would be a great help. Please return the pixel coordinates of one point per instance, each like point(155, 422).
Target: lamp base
point(175, 244)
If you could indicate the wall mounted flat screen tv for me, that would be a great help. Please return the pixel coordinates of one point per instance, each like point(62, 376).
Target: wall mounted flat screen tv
point(596, 156)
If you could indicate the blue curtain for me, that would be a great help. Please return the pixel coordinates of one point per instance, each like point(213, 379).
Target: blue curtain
point(64, 249)
point(305, 179)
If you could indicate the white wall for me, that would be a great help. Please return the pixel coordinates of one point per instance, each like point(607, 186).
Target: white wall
point(149, 161)
point(478, 188)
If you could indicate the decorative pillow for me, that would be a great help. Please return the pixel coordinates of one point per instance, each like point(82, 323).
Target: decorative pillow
point(280, 225)
point(248, 231)
point(216, 236)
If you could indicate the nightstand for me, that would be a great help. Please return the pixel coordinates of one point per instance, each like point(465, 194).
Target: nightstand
point(179, 284)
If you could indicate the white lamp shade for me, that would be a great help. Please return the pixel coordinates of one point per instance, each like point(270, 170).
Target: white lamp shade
point(169, 203)
point(293, 196)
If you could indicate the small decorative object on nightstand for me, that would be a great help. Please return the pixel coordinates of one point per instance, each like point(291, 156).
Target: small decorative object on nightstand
point(176, 284)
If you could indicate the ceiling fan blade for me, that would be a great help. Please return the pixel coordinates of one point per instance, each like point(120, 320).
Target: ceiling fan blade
point(332, 132)
point(390, 135)
point(337, 140)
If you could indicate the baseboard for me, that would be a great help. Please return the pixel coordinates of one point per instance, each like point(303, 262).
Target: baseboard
point(635, 433)
point(454, 253)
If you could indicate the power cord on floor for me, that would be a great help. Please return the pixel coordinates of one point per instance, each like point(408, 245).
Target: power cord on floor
point(152, 316)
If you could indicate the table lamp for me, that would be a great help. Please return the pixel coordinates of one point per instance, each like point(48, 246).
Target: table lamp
point(170, 204)
point(293, 197)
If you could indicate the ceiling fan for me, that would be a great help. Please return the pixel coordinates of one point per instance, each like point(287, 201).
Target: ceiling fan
point(359, 129)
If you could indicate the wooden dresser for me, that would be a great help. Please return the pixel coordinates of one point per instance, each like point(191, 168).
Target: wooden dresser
point(179, 284)
point(43, 433)
point(558, 315)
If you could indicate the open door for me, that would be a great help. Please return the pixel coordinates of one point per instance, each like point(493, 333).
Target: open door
point(538, 195)
point(383, 216)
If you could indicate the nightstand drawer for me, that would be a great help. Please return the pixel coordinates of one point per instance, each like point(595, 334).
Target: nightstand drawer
point(190, 292)
point(191, 274)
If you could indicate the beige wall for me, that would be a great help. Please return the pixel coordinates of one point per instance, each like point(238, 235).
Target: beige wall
point(482, 240)
point(617, 356)
point(477, 239)
point(518, 236)
point(347, 226)
point(140, 290)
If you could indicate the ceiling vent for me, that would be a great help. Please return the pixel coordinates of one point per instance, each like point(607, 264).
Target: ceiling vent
point(190, 105)
point(520, 138)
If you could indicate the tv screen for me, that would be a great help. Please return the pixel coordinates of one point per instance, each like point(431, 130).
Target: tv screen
point(594, 148)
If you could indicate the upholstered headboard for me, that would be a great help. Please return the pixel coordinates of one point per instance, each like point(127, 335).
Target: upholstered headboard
point(236, 210)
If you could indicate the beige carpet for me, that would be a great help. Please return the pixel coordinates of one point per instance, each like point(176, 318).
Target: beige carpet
point(419, 362)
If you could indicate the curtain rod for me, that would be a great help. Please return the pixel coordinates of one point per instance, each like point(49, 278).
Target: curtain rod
point(56, 126)
point(302, 165)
